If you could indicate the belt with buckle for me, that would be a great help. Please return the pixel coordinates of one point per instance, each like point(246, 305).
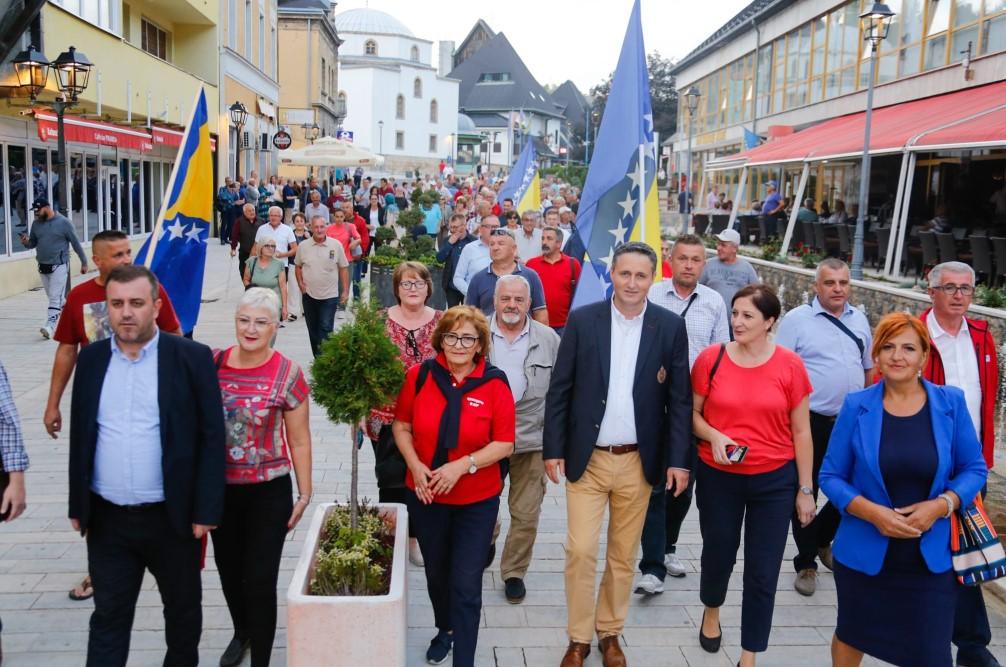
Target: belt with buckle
point(618, 449)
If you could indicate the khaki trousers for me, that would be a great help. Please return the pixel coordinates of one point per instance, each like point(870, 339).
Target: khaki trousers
point(527, 490)
point(616, 482)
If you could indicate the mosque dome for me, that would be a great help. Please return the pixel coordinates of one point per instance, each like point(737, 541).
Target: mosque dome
point(370, 21)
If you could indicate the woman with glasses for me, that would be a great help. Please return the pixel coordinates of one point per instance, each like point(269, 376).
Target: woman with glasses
point(454, 422)
point(410, 326)
point(266, 415)
point(267, 271)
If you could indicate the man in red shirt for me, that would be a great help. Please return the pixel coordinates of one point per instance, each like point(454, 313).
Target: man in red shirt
point(559, 274)
point(85, 320)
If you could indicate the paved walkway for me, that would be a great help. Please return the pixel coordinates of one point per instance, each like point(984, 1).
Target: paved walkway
point(41, 558)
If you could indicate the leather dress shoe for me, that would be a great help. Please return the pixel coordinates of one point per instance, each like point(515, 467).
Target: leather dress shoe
point(235, 652)
point(611, 652)
point(576, 653)
point(709, 644)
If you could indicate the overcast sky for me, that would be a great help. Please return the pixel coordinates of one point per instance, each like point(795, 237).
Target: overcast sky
point(565, 39)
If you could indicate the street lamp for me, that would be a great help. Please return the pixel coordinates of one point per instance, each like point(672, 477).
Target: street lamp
point(592, 123)
point(313, 133)
point(876, 22)
point(380, 130)
point(691, 104)
point(239, 115)
point(73, 70)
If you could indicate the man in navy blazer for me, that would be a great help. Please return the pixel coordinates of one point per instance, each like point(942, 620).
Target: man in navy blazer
point(617, 423)
point(146, 469)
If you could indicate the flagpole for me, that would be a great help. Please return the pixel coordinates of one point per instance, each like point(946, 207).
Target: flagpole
point(155, 231)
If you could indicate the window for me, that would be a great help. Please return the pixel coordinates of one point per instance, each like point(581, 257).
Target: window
point(261, 42)
point(370, 47)
point(414, 54)
point(153, 40)
point(399, 141)
point(324, 75)
point(494, 77)
point(232, 23)
point(400, 107)
point(434, 111)
point(102, 13)
point(433, 143)
point(273, 47)
point(248, 30)
point(417, 87)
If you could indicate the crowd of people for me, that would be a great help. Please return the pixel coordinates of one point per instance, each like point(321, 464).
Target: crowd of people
point(694, 386)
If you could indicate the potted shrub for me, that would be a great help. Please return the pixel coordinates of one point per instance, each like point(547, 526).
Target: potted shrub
point(347, 604)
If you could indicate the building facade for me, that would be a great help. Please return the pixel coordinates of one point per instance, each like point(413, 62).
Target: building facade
point(399, 103)
point(308, 57)
point(150, 60)
point(248, 70)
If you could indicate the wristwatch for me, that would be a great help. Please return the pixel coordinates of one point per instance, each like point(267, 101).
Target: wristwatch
point(472, 468)
point(806, 490)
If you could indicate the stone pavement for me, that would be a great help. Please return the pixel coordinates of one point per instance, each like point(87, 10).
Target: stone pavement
point(41, 558)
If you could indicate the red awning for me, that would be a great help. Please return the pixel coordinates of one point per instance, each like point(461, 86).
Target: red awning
point(940, 120)
point(162, 136)
point(92, 132)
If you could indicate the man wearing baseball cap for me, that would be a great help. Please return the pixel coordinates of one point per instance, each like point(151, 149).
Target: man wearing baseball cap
point(728, 273)
point(51, 236)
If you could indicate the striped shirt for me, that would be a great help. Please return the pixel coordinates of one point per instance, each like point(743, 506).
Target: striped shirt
point(12, 452)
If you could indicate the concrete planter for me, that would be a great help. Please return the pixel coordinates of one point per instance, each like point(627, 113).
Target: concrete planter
point(354, 631)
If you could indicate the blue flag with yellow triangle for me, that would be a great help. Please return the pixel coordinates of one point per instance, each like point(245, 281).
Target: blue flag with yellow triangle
point(620, 200)
point(176, 250)
point(523, 185)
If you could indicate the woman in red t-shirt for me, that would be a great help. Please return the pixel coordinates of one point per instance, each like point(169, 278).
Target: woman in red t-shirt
point(454, 422)
point(266, 414)
point(751, 414)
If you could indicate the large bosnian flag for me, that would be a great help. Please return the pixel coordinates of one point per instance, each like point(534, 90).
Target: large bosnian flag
point(176, 250)
point(523, 185)
point(620, 200)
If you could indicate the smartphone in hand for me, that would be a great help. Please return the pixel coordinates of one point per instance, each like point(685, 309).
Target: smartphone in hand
point(736, 453)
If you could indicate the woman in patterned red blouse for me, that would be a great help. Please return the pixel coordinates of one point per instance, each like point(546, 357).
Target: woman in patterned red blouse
point(266, 412)
point(410, 326)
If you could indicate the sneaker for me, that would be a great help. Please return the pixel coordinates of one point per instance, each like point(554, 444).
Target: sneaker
point(806, 582)
point(415, 554)
point(46, 331)
point(674, 566)
point(649, 585)
point(514, 590)
point(824, 554)
point(440, 648)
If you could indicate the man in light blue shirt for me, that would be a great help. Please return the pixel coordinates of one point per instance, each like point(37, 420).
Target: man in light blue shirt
point(833, 339)
point(475, 256)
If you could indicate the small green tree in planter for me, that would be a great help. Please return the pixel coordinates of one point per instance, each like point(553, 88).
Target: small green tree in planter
point(358, 367)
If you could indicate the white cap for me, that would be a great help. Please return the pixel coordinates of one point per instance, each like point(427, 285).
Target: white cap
point(730, 236)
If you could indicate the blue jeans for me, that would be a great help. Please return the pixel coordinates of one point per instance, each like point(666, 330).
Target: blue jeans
point(662, 527)
point(455, 543)
point(319, 316)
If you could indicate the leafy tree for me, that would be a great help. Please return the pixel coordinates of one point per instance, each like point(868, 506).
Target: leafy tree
point(663, 96)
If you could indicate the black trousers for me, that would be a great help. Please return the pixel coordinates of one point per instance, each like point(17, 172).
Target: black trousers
point(763, 504)
point(121, 544)
point(821, 531)
point(247, 548)
point(454, 297)
point(455, 544)
point(242, 260)
point(389, 469)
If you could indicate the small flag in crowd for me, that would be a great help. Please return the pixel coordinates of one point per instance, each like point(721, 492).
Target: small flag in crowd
point(523, 185)
point(176, 250)
point(619, 200)
point(750, 139)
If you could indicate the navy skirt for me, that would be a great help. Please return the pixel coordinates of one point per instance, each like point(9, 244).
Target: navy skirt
point(904, 618)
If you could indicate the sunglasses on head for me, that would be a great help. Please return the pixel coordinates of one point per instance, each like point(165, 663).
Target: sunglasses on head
point(500, 232)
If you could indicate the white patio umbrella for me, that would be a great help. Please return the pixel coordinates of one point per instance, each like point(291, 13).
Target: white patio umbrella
point(331, 152)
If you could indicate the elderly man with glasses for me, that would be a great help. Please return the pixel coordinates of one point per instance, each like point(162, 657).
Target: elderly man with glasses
point(963, 355)
point(475, 256)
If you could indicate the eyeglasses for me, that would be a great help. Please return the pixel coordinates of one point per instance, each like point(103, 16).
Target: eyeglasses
point(467, 342)
point(950, 289)
point(249, 323)
point(412, 284)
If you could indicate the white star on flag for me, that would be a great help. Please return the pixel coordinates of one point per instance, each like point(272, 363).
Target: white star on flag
point(635, 177)
point(193, 234)
point(619, 233)
point(627, 204)
point(175, 230)
point(609, 258)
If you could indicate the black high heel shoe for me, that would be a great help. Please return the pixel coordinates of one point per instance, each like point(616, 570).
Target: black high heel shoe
point(709, 644)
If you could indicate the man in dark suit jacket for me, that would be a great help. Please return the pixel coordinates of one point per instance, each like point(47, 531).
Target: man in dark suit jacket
point(146, 469)
point(450, 251)
point(617, 423)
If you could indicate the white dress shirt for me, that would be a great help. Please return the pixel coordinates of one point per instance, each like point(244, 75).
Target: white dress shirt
point(127, 457)
point(618, 427)
point(960, 365)
point(282, 234)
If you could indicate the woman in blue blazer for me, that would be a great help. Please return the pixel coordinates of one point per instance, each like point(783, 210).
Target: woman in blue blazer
point(903, 455)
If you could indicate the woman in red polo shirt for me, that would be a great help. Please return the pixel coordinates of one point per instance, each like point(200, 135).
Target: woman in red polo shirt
point(751, 415)
point(454, 422)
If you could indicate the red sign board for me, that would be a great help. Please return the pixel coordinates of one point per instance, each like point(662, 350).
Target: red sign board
point(92, 132)
point(282, 140)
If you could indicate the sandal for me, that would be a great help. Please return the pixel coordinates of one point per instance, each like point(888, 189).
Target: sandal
point(85, 588)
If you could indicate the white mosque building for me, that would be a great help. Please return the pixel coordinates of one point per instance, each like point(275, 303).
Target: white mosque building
point(399, 102)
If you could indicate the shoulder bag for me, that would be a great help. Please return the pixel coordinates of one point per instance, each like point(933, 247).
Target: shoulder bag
point(975, 549)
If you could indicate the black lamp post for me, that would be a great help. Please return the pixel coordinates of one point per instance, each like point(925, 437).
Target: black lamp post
point(876, 22)
point(239, 115)
point(311, 133)
point(72, 70)
point(691, 104)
